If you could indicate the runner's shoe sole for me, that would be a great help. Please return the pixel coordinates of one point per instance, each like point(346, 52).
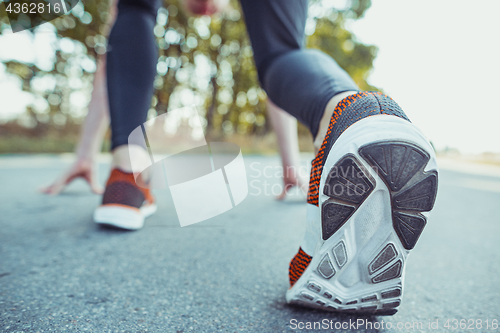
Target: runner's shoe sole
point(378, 186)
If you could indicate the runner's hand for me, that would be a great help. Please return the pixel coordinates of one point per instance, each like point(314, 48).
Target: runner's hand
point(79, 169)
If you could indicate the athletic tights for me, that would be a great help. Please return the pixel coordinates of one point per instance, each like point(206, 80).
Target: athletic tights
point(300, 81)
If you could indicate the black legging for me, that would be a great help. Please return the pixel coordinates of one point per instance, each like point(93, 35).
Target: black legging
point(298, 80)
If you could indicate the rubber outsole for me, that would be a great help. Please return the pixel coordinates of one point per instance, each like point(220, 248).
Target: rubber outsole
point(348, 186)
point(374, 209)
point(401, 166)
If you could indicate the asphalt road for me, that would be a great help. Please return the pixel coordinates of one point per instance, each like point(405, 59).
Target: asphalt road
point(61, 272)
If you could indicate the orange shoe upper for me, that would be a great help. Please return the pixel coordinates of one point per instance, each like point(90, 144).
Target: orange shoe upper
point(298, 265)
point(122, 189)
point(347, 112)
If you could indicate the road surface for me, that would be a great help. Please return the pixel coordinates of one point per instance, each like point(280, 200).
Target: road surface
point(60, 272)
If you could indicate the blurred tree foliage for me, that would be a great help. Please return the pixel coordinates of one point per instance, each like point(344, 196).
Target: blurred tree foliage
point(201, 59)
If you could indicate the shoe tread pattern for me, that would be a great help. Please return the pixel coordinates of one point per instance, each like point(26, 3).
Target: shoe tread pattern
point(384, 303)
point(347, 185)
point(401, 166)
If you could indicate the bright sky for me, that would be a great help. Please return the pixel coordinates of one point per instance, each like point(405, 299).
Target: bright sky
point(438, 59)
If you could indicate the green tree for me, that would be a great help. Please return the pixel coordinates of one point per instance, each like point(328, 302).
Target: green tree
point(202, 59)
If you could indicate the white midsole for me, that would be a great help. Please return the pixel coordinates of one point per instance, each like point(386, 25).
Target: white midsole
point(123, 217)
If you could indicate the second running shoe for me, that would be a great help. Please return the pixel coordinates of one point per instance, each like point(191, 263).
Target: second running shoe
point(125, 205)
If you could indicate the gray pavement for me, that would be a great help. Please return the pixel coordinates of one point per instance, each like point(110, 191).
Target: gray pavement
point(60, 272)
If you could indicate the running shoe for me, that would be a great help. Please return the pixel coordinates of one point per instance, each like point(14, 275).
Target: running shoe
point(124, 205)
point(372, 186)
